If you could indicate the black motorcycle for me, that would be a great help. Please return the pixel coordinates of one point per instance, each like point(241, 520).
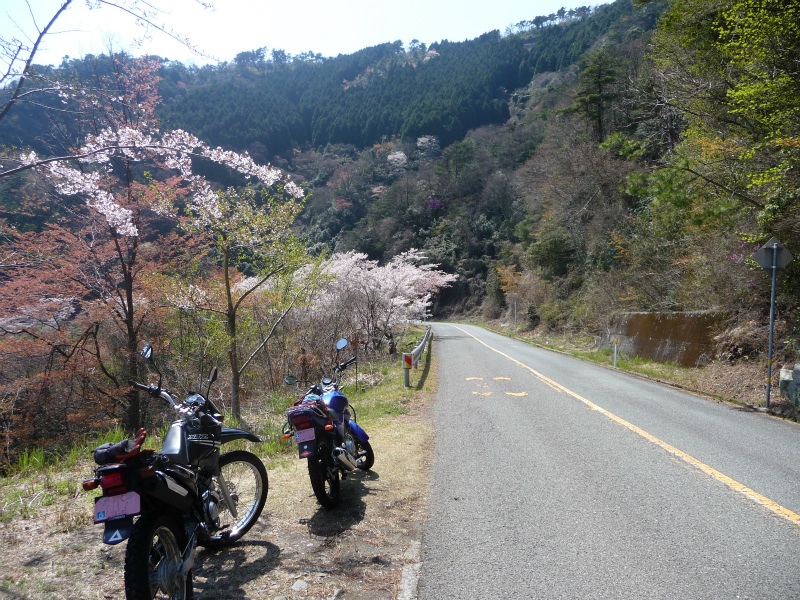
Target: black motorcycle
point(323, 424)
point(184, 496)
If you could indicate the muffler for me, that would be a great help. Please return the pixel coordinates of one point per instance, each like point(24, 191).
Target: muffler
point(344, 458)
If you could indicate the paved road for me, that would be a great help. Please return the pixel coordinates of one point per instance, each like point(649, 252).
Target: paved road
point(554, 478)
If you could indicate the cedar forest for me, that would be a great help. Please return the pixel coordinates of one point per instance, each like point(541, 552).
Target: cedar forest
point(626, 157)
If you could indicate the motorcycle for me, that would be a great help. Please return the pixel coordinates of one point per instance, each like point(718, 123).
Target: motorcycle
point(184, 496)
point(323, 424)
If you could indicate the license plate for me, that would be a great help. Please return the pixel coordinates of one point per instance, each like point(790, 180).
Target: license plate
point(111, 507)
point(304, 435)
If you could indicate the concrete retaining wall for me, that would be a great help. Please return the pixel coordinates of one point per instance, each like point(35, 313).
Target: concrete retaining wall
point(679, 337)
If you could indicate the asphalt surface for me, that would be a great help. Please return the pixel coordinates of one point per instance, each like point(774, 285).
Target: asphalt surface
point(556, 478)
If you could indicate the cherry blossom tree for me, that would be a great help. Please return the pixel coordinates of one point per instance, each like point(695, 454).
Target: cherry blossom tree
point(126, 173)
point(362, 295)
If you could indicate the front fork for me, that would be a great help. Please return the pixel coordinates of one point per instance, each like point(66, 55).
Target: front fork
point(226, 495)
point(189, 553)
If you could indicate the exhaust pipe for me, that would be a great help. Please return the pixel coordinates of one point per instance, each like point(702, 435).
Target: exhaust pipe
point(341, 455)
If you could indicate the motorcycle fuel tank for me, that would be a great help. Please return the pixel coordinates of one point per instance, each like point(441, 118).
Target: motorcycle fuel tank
point(186, 444)
point(336, 401)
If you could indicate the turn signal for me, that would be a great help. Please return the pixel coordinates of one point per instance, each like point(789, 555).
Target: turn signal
point(90, 484)
point(328, 426)
point(286, 437)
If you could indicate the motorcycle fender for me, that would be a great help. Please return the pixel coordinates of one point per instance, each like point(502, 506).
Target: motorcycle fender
point(358, 432)
point(307, 449)
point(117, 531)
point(229, 434)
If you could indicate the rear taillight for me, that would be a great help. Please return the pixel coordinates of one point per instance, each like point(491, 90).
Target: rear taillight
point(301, 421)
point(113, 483)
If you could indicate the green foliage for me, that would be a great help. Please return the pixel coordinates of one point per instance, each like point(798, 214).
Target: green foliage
point(597, 89)
point(553, 252)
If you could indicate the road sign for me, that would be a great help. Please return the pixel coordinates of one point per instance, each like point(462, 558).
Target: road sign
point(772, 257)
point(764, 256)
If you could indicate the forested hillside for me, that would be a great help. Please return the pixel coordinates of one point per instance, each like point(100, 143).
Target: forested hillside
point(444, 90)
point(629, 157)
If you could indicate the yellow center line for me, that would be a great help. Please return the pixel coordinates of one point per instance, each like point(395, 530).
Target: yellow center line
point(754, 496)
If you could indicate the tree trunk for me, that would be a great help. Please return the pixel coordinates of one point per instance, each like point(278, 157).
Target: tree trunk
point(230, 328)
point(235, 380)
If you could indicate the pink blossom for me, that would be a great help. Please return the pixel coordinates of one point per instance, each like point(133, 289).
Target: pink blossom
point(174, 149)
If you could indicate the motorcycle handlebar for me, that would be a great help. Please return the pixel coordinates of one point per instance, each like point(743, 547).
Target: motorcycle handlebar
point(150, 389)
point(342, 366)
point(156, 392)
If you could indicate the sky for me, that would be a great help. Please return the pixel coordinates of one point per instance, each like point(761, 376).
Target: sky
point(324, 27)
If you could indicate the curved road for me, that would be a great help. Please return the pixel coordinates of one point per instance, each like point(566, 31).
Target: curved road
point(555, 478)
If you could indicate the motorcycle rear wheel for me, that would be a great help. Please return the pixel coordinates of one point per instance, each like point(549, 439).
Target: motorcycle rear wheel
point(248, 484)
point(152, 559)
point(324, 477)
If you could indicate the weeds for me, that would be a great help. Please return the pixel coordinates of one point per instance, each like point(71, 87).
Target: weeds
point(31, 460)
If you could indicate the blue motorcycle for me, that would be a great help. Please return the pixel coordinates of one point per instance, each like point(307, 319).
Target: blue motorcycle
point(323, 424)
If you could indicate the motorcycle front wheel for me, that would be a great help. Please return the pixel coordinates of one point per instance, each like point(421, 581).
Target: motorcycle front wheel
point(246, 477)
point(324, 477)
point(153, 558)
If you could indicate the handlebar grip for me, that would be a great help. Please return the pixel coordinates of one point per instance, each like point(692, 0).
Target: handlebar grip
point(143, 387)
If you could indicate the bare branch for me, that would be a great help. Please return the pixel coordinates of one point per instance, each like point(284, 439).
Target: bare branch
point(29, 62)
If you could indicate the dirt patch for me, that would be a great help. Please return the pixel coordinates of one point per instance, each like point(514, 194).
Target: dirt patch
point(296, 550)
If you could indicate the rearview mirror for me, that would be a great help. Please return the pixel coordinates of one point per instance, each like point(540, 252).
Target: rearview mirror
point(341, 344)
point(146, 351)
point(290, 380)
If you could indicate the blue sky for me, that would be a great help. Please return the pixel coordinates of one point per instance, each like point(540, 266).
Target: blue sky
point(321, 26)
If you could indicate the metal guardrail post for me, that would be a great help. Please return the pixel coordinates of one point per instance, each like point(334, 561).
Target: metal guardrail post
point(412, 358)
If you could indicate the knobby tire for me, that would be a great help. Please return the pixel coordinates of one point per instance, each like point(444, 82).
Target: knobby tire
point(156, 547)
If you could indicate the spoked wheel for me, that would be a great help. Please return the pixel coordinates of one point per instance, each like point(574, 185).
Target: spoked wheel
point(246, 478)
point(153, 559)
point(324, 477)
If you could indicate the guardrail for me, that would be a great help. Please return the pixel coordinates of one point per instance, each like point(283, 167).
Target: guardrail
point(412, 358)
